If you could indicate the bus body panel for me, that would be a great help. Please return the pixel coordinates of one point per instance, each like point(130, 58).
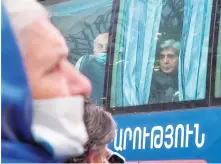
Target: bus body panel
point(173, 135)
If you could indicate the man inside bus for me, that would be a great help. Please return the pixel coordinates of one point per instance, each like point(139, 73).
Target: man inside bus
point(43, 123)
point(93, 67)
point(164, 85)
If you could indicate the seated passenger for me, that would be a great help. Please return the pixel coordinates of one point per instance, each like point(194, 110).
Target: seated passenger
point(93, 66)
point(164, 85)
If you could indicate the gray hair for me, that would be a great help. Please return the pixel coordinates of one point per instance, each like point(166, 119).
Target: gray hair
point(22, 13)
point(171, 44)
point(101, 129)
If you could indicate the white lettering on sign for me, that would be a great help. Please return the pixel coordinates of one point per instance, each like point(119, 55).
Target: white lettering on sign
point(157, 137)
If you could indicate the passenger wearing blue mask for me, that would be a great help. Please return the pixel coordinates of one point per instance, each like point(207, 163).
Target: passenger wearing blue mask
point(42, 93)
point(93, 66)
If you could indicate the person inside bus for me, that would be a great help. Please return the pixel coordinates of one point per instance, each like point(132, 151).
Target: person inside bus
point(164, 85)
point(101, 129)
point(42, 93)
point(93, 67)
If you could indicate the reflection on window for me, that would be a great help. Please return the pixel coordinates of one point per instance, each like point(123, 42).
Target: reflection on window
point(85, 26)
point(218, 67)
point(161, 51)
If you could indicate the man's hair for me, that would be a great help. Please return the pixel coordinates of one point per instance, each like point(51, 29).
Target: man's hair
point(22, 13)
point(171, 44)
point(101, 129)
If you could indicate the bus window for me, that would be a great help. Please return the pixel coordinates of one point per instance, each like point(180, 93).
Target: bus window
point(85, 25)
point(218, 67)
point(161, 52)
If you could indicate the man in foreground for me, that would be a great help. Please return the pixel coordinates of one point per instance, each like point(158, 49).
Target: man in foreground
point(42, 114)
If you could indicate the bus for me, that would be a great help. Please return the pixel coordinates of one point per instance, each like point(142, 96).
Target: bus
point(156, 66)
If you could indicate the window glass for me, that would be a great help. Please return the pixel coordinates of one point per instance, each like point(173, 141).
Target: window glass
point(161, 52)
point(85, 25)
point(218, 66)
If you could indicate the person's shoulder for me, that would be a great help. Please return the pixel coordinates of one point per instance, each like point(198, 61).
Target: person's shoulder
point(86, 58)
point(18, 152)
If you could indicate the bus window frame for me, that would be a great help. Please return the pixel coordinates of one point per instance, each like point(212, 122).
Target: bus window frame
point(215, 101)
point(171, 106)
point(54, 2)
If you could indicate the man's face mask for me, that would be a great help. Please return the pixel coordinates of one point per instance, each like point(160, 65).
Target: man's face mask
point(101, 57)
point(58, 125)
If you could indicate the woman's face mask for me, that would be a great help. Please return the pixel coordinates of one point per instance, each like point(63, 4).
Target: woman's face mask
point(58, 125)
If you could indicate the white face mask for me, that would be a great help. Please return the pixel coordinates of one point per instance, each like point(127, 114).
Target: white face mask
point(59, 126)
